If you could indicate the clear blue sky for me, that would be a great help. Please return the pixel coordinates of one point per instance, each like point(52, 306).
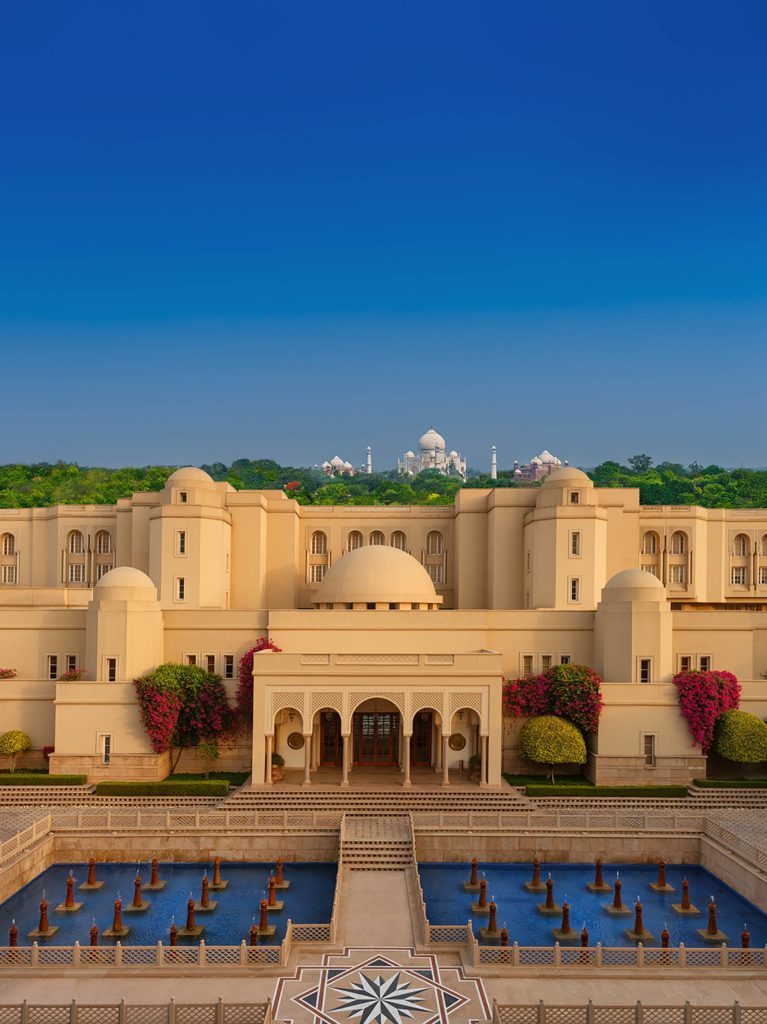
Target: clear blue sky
point(290, 229)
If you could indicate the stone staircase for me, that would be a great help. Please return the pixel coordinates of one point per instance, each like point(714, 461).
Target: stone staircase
point(377, 842)
point(375, 801)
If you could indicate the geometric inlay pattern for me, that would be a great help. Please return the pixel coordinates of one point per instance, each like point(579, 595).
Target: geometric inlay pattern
point(380, 986)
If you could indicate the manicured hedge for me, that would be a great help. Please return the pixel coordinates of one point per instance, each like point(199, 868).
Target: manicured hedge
point(40, 779)
point(233, 778)
point(731, 783)
point(557, 790)
point(540, 780)
point(200, 788)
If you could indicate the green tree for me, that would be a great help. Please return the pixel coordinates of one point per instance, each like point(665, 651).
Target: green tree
point(550, 740)
point(640, 463)
point(13, 743)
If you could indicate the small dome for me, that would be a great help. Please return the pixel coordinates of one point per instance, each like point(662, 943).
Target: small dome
point(125, 583)
point(409, 455)
point(535, 461)
point(337, 461)
point(634, 585)
point(348, 465)
point(325, 465)
point(431, 440)
point(190, 476)
point(376, 574)
point(547, 459)
point(454, 454)
point(567, 475)
point(517, 471)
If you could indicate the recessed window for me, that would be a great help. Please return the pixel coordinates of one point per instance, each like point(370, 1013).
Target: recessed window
point(191, 659)
point(399, 540)
point(355, 540)
point(103, 543)
point(650, 543)
point(685, 663)
point(76, 543)
point(181, 588)
point(575, 589)
point(738, 576)
point(210, 663)
point(111, 670)
point(678, 543)
point(9, 544)
point(705, 662)
point(677, 574)
point(9, 576)
point(76, 573)
point(527, 664)
point(71, 662)
point(575, 543)
point(183, 497)
point(648, 749)
point(763, 547)
point(319, 543)
point(180, 542)
point(105, 747)
point(228, 666)
point(376, 537)
point(741, 546)
point(546, 662)
point(52, 666)
point(575, 497)
point(763, 575)
point(102, 569)
point(565, 659)
point(645, 670)
point(317, 573)
point(435, 572)
point(434, 543)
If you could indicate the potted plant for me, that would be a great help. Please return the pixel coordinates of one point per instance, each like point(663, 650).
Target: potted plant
point(475, 767)
point(278, 767)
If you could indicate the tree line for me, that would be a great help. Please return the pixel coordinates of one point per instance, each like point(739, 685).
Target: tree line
point(43, 484)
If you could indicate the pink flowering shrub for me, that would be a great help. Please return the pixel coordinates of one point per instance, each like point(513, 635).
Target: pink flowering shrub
point(243, 710)
point(703, 697)
point(572, 692)
point(159, 713)
point(72, 675)
point(8, 673)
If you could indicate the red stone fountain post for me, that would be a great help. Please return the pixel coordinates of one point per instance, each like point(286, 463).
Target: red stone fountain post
point(173, 933)
point(190, 923)
point(745, 938)
point(44, 925)
point(617, 901)
point(504, 936)
point(94, 934)
point(280, 872)
point(536, 871)
point(272, 889)
point(713, 927)
point(91, 872)
point(137, 897)
point(154, 880)
point(263, 923)
point(565, 927)
point(217, 871)
point(665, 938)
point(253, 934)
point(584, 936)
point(685, 894)
point(70, 897)
point(204, 901)
point(491, 924)
point(13, 935)
point(550, 893)
point(117, 920)
point(638, 918)
point(482, 902)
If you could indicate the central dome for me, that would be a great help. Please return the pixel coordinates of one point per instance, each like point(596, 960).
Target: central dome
point(431, 440)
point(377, 576)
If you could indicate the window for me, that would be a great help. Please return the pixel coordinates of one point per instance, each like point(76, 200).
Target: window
point(180, 542)
point(650, 543)
point(111, 670)
point(9, 544)
point(705, 662)
point(651, 567)
point(645, 670)
point(9, 574)
point(105, 747)
point(434, 543)
point(52, 666)
point(355, 540)
point(741, 546)
point(435, 572)
point(76, 543)
point(317, 573)
point(376, 537)
point(678, 543)
point(76, 573)
point(71, 662)
point(210, 663)
point(399, 540)
point(648, 749)
point(103, 543)
point(738, 575)
point(565, 659)
point(102, 569)
point(228, 666)
point(183, 497)
point(546, 661)
point(319, 543)
point(677, 574)
point(181, 588)
point(763, 575)
point(685, 663)
point(575, 589)
point(575, 543)
point(191, 659)
point(527, 664)
point(764, 546)
point(575, 497)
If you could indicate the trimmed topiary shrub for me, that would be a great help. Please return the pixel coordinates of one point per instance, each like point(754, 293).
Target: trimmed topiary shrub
point(741, 737)
point(551, 740)
point(13, 743)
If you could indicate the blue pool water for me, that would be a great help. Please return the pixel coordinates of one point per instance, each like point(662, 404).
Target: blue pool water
point(309, 900)
point(447, 903)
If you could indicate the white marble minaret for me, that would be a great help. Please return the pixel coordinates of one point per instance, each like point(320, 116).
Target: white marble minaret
point(493, 464)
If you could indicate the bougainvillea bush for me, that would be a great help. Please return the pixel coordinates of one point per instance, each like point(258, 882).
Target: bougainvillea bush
point(573, 692)
point(182, 706)
point(244, 697)
point(703, 697)
point(8, 673)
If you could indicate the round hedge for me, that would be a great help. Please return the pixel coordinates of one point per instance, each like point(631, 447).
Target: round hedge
point(741, 737)
point(551, 740)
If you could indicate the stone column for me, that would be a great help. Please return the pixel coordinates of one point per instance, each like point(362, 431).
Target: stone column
point(406, 759)
point(307, 759)
point(345, 769)
point(483, 765)
point(445, 777)
point(268, 769)
point(438, 751)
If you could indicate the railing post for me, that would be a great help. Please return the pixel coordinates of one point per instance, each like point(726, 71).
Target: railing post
point(172, 1011)
point(638, 1012)
point(515, 954)
point(723, 960)
point(196, 819)
point(76, 954)
point(35, 955)
point(736, 1012)
point(640, 955)
point(220, 1011)
point(557, 955)
point(589, 1012)
point(541, 1012)
point(118, 954)
point(25, 1012)
point(73, 1012)
point(243, 954)
point(121, 1014)
point(158, 957)
point(682, 962)
point(167, 819)
point(687, 1012)
point(201, 953)
point(598, 955)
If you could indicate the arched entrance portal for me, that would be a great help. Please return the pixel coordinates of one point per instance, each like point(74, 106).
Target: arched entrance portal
point(376, 728)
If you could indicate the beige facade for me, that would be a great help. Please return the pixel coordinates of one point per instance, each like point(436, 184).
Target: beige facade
point(396, 624)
